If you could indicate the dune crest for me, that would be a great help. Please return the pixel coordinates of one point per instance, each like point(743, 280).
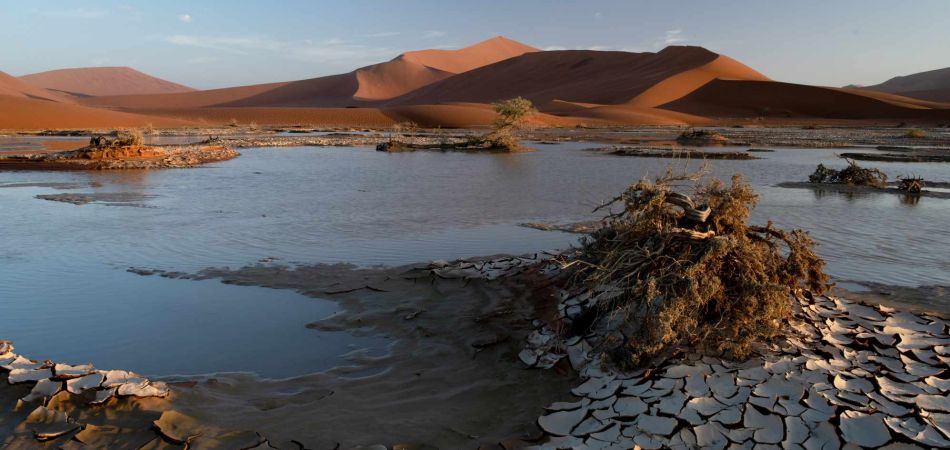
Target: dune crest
point(472, 57)
point(681, 84)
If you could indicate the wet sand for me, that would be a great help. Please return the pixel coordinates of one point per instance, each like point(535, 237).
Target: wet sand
point(452, 379)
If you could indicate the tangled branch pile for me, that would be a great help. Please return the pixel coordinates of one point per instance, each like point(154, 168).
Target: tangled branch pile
point(692, 272)
point(116, 139)
point(853, 174)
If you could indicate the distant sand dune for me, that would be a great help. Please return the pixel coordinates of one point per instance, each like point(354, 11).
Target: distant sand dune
point(98, 81)
point(679, 85)
point(366, 86)
point(741, 98)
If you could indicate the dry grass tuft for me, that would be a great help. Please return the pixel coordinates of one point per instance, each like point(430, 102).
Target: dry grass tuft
point(692, 271)
point(916, 133)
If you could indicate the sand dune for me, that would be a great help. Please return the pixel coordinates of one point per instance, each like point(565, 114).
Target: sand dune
point(29, 113)
point(197, 99)
point(472, 57)
point(743, 98)
point(98, 81)
point(569, 75)
point(14, 87)
point(344, 117)
point(933, 85)
point(681, 84)
point(366, 86)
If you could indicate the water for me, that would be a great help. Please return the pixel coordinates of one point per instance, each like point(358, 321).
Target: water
point(64, 292)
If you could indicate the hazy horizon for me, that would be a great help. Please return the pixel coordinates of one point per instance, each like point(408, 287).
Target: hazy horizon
point(213, 44)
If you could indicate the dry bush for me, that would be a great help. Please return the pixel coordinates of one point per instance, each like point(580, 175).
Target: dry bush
point(912, 185)
point(701, 137)
point(853, 174)
point(688, 272)
point(512, 115)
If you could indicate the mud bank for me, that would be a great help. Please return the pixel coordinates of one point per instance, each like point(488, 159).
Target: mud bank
point(136, 157)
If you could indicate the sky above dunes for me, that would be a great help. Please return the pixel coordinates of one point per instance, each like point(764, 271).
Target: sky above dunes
point(208, 44)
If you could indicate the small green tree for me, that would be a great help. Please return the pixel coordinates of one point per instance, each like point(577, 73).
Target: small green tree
point(512, 115)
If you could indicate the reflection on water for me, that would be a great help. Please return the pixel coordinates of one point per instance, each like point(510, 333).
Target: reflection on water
point(310, 205)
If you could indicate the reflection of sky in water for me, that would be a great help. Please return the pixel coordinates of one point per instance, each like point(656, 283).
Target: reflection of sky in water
point(313, 205)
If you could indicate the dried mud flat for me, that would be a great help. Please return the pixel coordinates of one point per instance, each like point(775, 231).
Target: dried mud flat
point(847, 376)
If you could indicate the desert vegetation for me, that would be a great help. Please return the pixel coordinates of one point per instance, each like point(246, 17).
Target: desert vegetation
point(701, 137)
point(512, 115)
point(911, 185)
point(853, 175)
point(687, 270)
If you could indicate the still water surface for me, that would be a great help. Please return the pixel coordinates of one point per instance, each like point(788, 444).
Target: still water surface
point(64, 292)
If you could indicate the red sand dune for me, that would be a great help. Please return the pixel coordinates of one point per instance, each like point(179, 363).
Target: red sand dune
point(454, 88)
point(472, 57)
point(197, 99)
point(363, 87)
point(29, 113)
point(569, 75)
point(743, 98)
point(14, 87)
point(676, 86)
point(98, 81)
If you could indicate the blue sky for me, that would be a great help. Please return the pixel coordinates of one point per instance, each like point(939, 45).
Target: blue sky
point(208, 44)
